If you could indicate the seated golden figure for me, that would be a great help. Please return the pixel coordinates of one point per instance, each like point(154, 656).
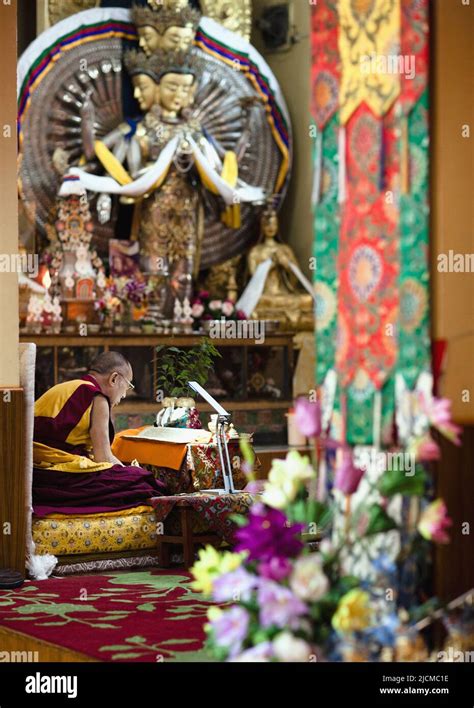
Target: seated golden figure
point(283, 298)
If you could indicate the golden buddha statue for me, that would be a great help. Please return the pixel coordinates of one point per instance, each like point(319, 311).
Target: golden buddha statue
point(170, 218)
point(163, 162)
point(283, 298)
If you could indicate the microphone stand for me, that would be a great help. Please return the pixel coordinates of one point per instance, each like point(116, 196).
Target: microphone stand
point(223, 450)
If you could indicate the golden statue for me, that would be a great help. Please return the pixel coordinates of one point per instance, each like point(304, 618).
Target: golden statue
point(171, 28)
point(283, 298)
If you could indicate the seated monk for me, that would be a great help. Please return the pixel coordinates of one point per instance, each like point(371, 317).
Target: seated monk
point(75, 471)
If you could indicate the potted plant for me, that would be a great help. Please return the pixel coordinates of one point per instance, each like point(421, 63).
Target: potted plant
point(176, 367)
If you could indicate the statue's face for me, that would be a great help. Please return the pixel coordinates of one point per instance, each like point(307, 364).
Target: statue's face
point(145, 91)
point(149, 39)
point(176, 92)
point(177, 38)
point(270, 226)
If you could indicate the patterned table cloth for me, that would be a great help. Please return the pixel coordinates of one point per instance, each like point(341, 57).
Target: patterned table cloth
point(213, 510)
point(199, 469)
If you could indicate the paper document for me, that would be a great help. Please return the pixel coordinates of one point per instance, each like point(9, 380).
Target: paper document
point(182, 436)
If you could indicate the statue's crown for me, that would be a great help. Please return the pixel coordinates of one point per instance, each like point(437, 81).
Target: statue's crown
point(165, 17)
point(161, 63)
point(271, 206)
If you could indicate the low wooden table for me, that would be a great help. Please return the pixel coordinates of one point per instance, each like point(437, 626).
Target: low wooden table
point(204, 505)
point(187, 539)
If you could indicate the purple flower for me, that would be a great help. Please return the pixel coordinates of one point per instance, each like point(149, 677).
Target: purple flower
point(260, 652)
point(348, 476)
point(230, 629)
point(256, 485)
point(308, 417)
point(236, 585)
point(279, 605)
point(275, 569)
point(267, 536)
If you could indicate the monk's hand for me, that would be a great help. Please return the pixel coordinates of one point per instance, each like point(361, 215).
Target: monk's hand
point(134, 463)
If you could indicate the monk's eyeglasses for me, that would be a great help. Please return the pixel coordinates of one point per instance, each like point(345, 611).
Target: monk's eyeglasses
point(129, 383)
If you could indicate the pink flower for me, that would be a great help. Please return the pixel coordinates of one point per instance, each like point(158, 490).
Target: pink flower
point(278, 605)
point(197, 310)
point(215, 304)
point(425, 449)
point(275, 568)
point(348, 476)
point(438, 411)
point(434, 521)
point(308, 417)
point(227, 308)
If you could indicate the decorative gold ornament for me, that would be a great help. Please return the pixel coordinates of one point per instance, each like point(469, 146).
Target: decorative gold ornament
point(60, 9)
point(173, 4)
point(235, 15)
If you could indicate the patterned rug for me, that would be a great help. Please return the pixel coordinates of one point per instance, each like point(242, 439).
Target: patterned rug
point(149, 615)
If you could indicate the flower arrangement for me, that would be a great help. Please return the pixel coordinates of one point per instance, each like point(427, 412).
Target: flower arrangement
point(109, 303)
point(278, 599)
point(128, 297)
point(204, 307)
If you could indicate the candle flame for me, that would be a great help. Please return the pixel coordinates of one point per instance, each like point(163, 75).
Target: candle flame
point(46, 280)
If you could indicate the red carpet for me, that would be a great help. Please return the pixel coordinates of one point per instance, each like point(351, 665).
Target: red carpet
point(147, 615)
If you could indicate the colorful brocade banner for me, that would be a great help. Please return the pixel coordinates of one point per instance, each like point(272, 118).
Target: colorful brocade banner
point(370, 198)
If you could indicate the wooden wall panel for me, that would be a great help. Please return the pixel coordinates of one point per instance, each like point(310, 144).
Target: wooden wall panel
point(12, 480)
point(455, 562)
point(452, 182)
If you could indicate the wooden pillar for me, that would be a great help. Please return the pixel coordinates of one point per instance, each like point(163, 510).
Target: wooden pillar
point(9, 327)
point(12, 480)
point(12, 444)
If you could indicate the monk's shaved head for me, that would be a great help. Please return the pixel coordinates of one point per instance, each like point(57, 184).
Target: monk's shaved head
point(108, 362)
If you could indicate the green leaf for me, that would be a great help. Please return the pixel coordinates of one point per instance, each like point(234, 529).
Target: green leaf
point(136, 639)
point(398, 482)
point(146, 607)
point(318, 513)
point(379, 521)
point(115, 647)
point(297, 511)
point(238, 519)
point(126, 655)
